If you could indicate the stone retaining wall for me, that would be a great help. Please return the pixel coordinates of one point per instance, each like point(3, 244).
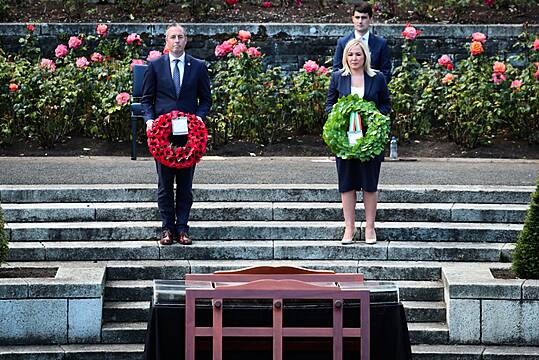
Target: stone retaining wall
point(288, 45)
point(66, 309)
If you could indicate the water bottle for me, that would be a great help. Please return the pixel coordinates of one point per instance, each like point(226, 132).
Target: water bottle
point(393, 149)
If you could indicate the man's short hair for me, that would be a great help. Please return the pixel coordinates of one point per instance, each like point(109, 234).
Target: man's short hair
point(175, 25)
point(362, 7)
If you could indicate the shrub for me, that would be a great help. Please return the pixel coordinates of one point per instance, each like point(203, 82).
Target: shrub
point(248, 100)
point(308, 92)
point(4, 249)
point(526, 253)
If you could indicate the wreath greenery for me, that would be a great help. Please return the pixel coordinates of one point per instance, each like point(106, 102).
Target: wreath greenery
point(335, 129)
point(177, 157)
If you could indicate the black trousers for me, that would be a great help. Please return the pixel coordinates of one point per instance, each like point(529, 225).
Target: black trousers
point(175, 212)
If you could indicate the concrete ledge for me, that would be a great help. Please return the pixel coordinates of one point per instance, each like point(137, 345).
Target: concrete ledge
point(60, 310)
point(485, 310)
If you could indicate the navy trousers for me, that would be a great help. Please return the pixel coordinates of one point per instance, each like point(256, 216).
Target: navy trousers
point(175, 212)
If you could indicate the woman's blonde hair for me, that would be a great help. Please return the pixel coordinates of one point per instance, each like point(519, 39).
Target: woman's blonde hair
point(367, 54)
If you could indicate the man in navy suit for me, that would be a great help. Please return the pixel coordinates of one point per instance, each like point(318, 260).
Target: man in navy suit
point(380, 58)
point(175, 81)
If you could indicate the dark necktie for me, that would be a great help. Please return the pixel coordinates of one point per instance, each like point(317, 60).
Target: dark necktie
point(176, 76)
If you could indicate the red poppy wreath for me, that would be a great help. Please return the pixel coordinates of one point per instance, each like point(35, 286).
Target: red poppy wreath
point(175, 156)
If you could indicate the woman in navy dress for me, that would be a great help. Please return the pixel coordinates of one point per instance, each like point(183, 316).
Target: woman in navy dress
point(357, 77)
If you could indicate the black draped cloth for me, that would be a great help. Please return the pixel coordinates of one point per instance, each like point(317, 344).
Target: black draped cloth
point(166, 329)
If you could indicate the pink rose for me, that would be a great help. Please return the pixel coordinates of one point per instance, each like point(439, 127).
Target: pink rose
point(410, 32)
point(61, 51)
point(154, 54)
point(267, 4)
point(231, 2)
point(498, 67)
point(536, 44)
point(537, 75)
point(136, 62)
point(166, 51)
point(96, 57)
point(74, 42)
point(477, 36)
point(238, 49)
point(30, 27)
point(223, 49)
point(310, 66)
point(322, 70)
point(122, 98)
point(489, 3)
point(102, 30)
point(253, 52)
point(498, 78)
point(82, 62)
point(244, 35)
point(445, 61)
point(133, 39)
point(516, 84)
point(448, 78)
point(476, 48)
point(47, 64)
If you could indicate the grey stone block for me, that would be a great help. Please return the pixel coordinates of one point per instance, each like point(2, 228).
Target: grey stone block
point(219, 250)
point(147, 269)
point(530, 290)
point(84, 320)
point(386, 270)
point(446, 251)
point(31, 352)
point(33, 321)
point(447, 352)
point(104, 352)
point(48, 212)
point(501, 322)
point(530, 322)
point(477, 282)
point(420, 290)
point(101, 250)
point(13, 288)
point(320, 250)
point(464, 321)
point(428, 333)
point(510, 353)
point(493, 213)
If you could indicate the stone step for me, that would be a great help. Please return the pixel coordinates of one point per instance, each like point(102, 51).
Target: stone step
point(175, 269)
point(265, 192)
point(436, 333)
point(126, 311)
point(130, 332)
point(73, 352)
point(142, 290)
point(123, 332)
point(425, 311)
point(264, 211)
point(138, 311)
point(135, 352)
point(259, 250)
point(260, 230)
point(474, 352)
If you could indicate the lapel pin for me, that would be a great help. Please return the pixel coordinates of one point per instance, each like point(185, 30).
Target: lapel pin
point(188, 64)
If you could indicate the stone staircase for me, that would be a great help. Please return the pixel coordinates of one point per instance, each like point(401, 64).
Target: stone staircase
point(419, 229)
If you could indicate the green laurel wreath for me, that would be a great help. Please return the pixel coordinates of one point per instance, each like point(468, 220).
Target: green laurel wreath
point(336, 127)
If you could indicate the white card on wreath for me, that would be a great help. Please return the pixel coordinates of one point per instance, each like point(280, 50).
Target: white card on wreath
point(179, 126)
point(354, 136)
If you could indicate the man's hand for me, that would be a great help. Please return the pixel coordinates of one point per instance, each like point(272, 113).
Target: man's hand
point(149, 125)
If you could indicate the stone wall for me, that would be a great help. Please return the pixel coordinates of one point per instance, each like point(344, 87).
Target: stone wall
point(288, 45)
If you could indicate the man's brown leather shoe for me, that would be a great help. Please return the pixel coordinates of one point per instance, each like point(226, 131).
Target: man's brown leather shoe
point(166, 238)
point(184, 239)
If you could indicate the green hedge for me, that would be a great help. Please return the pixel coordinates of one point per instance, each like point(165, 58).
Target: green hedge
point(526, 254)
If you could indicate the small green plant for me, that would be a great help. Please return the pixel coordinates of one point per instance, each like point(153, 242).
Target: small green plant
point(526, 253)
point(4, 249)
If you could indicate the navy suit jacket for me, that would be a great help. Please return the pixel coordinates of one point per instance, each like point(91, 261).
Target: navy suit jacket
point(380, 59)
point(375, 90)
point(159, 94)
